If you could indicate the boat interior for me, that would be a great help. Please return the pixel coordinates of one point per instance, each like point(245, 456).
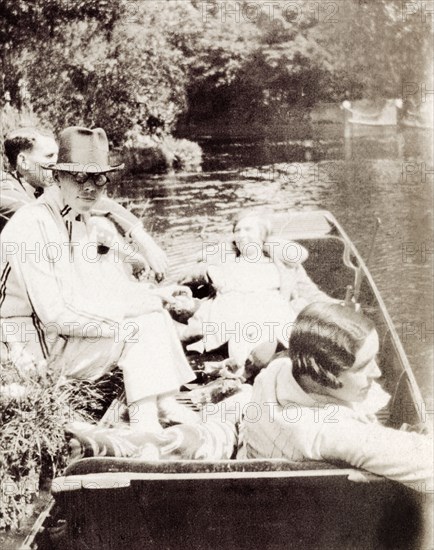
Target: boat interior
point(105, 502)
point(331, 265)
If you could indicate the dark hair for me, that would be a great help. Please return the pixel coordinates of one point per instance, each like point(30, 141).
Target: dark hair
point(324, 341)
point(22, 139)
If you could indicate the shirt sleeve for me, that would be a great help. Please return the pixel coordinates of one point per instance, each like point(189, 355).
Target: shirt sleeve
point(401, 456)
point(124, 220)
point(290, 253)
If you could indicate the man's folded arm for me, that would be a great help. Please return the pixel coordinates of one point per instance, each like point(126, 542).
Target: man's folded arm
point(132, 228)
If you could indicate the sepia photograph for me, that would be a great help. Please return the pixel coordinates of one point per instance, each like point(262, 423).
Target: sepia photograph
point(216, 275)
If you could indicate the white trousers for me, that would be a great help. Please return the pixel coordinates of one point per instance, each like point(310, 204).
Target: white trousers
point(147, 349)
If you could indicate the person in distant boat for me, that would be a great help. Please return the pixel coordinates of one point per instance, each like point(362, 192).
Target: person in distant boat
point(260, 286)
point(26, 150)
point(65, 304)
point(320, 402)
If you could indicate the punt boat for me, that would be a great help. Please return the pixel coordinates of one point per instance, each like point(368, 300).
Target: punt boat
point(114, 503)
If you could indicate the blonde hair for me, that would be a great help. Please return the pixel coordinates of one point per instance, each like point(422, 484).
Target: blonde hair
point(263, 220)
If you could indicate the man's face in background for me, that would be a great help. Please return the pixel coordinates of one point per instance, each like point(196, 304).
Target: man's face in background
point(44, 151)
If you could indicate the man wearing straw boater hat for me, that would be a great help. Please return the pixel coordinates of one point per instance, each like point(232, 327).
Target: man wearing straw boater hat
point(68, 306)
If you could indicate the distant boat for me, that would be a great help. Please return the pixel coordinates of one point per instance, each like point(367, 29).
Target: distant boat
point(373, 112)
point(386, 113)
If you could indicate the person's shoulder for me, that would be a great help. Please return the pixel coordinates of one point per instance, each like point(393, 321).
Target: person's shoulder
point(282, 361)
point(8, 182)
point(271, 372)
point(36, 209)
point(290, 253)
point(25, 219)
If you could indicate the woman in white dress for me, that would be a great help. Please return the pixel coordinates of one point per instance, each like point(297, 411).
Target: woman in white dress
point(257, 279)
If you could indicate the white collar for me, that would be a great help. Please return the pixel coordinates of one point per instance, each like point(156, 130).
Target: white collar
point(289, 391)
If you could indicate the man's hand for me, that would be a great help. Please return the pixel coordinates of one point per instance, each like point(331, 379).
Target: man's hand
point(169, 293)
point(419, 428)
point(152, 253)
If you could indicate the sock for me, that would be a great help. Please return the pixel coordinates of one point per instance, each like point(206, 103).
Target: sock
point(144, 415)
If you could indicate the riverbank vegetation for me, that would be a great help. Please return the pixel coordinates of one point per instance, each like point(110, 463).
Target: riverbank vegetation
point(35, 406)
point(122, 64)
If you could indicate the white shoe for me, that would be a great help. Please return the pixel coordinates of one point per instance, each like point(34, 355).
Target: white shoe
point(196, 346)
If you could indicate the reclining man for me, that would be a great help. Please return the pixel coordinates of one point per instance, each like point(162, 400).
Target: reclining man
point(26, 150)
point(80, 313)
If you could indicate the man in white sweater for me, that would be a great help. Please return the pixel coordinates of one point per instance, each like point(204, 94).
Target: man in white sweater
point(26, 150)
point(66, 304)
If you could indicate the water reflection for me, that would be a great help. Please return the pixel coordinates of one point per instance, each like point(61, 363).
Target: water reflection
point(357, 189)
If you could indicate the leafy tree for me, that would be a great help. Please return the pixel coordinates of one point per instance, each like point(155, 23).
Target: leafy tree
point(99, 63)
point(114, 63)
point(378, 46)
point(303, 52)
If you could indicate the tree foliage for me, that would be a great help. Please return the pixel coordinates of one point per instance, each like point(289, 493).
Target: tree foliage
point(302, 52)
point(102, 63)
point(114, 63)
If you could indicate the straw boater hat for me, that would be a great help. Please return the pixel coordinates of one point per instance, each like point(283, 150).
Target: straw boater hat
point(83, 150)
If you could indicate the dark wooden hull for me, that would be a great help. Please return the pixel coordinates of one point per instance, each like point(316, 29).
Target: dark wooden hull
point(247, 506)
point(125, 503)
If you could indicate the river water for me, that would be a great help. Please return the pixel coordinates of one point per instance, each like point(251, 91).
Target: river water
point(384, 174)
